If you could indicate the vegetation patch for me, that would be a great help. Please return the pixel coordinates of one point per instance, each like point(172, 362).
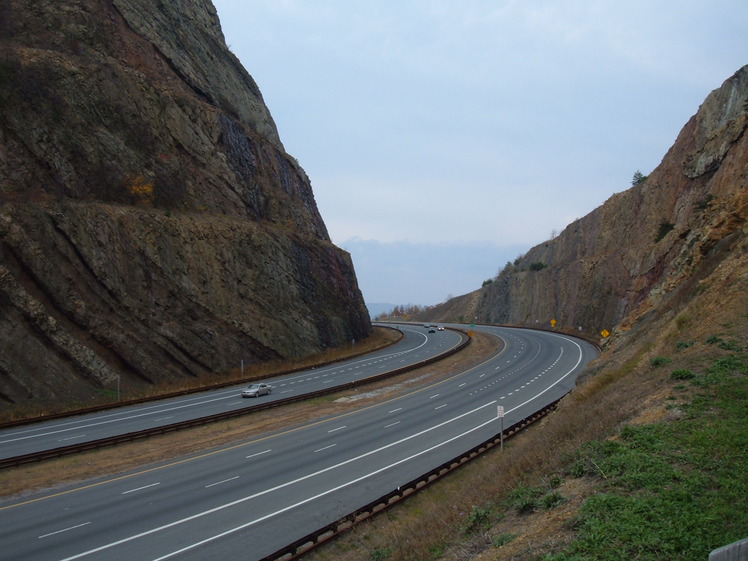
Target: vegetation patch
point(681, 374)
point(502, 539)
point(478, 519)
point(658, 361)
point(670, 490)
point(722, 343)
point(663, 230)
point(683, 345)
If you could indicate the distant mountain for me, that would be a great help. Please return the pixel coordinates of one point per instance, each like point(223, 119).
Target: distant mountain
point(152, 226)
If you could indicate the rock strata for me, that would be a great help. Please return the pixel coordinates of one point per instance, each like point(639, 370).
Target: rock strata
point(643, 248)
point(152, 226)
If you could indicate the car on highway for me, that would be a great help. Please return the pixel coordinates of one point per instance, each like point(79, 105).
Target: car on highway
point(432, 329)
point(256, 390)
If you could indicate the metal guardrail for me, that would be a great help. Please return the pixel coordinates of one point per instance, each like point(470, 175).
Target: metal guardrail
point(330, 531)
point(147, 433)
point(179, 393)
point(737, 551)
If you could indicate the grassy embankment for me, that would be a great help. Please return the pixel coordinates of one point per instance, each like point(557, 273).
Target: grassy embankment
point(668, 490)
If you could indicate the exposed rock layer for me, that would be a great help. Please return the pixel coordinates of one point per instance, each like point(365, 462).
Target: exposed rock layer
point(641, 248)
point(151, 224)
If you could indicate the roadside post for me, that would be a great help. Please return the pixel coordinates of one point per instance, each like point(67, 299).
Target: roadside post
point(500, 409)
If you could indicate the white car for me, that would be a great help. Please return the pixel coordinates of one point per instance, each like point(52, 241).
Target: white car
point(256, 390)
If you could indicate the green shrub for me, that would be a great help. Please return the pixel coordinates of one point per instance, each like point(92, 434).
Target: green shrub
point(524, 499)
point(555, 481)
point(552, 500)
point(381, 554)
point(681, 345)
point(658, 361)
point(681, 374)
point(479, 518)
point(665, 228)
point(729, 346)
point(728, 365)
point(638, 178)
point(437, 551)
point(537, 266)
point(722, 344)
point(502, 539)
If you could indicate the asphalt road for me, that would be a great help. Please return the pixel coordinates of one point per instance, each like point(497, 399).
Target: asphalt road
point(416, 345)
point(248, 500)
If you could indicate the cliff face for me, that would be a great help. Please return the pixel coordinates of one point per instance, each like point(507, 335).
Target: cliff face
point(643, 247)
point(151, 224)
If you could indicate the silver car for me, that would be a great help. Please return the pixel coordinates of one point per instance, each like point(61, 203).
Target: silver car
point(256, 390)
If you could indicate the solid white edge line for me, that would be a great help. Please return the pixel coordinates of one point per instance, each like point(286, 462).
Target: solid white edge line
point(277, 487)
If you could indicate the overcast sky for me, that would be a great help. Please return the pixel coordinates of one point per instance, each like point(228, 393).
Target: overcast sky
point(445, 138)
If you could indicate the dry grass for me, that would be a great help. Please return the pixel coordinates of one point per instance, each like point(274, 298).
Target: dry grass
point(54, 473)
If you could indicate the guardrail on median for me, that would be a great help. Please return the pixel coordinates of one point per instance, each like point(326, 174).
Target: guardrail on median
point(330, 531)
point(147, 433)
point(178, 393)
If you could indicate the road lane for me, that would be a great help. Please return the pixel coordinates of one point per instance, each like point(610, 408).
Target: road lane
point(416, 345)
point(252, 498)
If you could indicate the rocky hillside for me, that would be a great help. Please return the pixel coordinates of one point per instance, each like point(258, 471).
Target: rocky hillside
point(152, 225)
point(644, 250)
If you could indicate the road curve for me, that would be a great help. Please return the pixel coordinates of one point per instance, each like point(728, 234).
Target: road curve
point(250, 499)
point(416, 345)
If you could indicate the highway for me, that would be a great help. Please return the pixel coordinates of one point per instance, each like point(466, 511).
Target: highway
point(415, 346)
point(252, 498)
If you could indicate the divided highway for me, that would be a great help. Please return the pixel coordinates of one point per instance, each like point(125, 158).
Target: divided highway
point(416, 345)
point(251, 499)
